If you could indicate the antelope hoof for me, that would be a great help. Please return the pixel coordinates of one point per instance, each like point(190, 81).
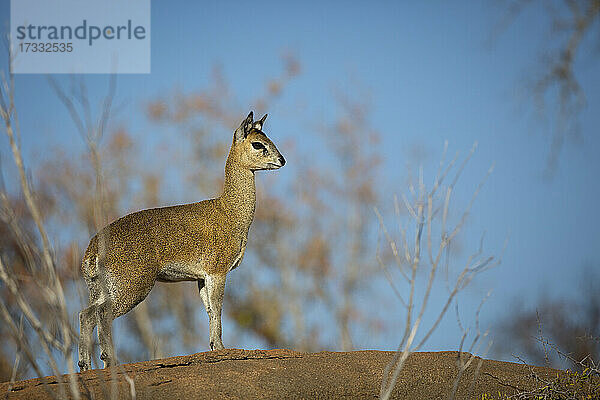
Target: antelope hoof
point(83, 366)
point(108, 361)
point(216, 346)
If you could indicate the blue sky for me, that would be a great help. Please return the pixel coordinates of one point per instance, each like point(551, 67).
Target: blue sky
point(432, 73)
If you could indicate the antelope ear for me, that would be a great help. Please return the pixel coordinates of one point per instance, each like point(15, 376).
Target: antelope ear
point(259, 124)
point(244, 128)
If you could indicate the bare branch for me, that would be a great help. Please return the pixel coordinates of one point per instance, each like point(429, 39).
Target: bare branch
point(422, 215)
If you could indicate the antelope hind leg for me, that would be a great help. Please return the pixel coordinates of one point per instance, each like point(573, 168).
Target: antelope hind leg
point(87, 322)
point(105, 318)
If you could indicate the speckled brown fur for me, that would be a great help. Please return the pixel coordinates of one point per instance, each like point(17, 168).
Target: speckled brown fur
point(200, 242)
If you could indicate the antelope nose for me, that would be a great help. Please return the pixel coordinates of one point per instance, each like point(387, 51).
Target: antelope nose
point(281, 160)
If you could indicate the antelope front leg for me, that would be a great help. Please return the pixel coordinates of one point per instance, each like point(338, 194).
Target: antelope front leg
point(204, 296)
point(215, 290)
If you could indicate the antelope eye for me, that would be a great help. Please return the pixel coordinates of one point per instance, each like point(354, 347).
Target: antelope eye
point(258, 145)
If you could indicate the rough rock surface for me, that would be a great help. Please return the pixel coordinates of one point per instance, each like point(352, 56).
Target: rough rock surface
point(285, 374)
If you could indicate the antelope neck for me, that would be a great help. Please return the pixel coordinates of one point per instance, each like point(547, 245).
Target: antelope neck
point(239, 192)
